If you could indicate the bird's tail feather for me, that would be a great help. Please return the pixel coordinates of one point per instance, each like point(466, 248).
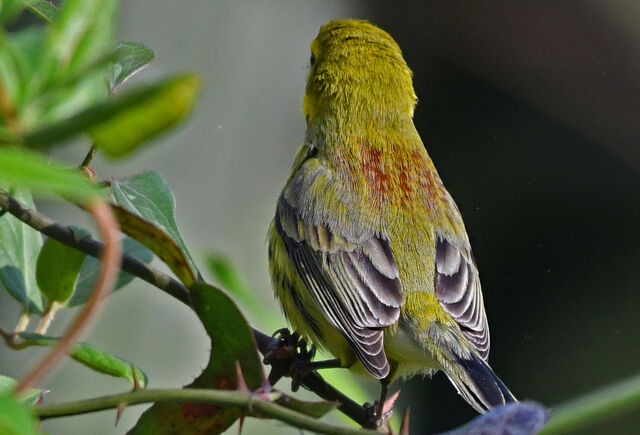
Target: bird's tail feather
point(479, 385)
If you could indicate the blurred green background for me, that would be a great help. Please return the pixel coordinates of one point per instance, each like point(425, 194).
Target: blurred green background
point(531, 112)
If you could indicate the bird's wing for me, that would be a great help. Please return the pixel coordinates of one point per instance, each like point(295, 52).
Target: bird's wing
point(458, 289)
point(354, 283)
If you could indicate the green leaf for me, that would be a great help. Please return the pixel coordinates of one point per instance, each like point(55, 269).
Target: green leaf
point(29, 397)
point(92, 358)
point(67, 96)
point(149, 117)
point(42, 8)
point(9, 9)
point(91, 269)
point(26, 168)
point(157, 240)
point(19, 247)
point(9, 75)
point(37, 100)
point(15, 417)
point(231, 338)
point(6, 383)
point(131, 57)
point(231, 343)
point(58, 268)
point(148, 196)
point(76, 45)
point(226, 275)
point(20, 57)
point(81, 33)
point(581, 414)
point(120, 125)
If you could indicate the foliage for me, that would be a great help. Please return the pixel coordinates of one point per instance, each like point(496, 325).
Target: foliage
point(15, 417)
point(219, 315)
point(60, 82)
point(18, 254)
point(92, 358)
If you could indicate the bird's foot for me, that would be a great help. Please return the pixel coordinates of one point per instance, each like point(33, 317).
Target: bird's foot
point(285, 354)
point(289, 346)
point(375, 418)
point(293, 357)
point(381, 411)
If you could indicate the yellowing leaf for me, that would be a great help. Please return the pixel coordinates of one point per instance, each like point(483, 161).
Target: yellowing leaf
point(158, 111)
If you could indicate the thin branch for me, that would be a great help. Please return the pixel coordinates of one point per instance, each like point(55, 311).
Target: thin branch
point(106, 281)
point(89, 156)
point(89, 246)
point(22, 324)
point(12, 340)
point(600, 405)
point(248, 402)
point(312, 381)
point(47, 317)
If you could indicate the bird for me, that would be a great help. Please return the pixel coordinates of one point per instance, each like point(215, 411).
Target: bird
point(368, 253)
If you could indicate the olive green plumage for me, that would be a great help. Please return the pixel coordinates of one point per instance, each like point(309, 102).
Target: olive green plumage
point(368, 253)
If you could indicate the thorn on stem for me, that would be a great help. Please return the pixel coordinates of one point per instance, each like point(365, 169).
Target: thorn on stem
point(136, 381)
point(119, 412)
point(388, 404)
point(404, 427)
point(242, 385)
point(264, 392)
point(241, 424)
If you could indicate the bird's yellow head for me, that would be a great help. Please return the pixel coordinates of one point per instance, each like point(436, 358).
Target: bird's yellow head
point(357, 69)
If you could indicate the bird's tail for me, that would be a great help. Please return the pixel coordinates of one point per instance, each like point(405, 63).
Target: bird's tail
point(478, 384)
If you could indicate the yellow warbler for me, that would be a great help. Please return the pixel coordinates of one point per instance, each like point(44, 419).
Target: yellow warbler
point(368, 253)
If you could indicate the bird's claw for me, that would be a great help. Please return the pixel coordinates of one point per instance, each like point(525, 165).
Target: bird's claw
point(376, 415)
point(289, 357)
point(289, 346)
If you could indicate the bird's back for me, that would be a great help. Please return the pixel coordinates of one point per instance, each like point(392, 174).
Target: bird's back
point(369, 254)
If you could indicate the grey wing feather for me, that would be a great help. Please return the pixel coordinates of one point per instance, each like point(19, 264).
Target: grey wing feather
point(458, 289)
point(355, 283)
